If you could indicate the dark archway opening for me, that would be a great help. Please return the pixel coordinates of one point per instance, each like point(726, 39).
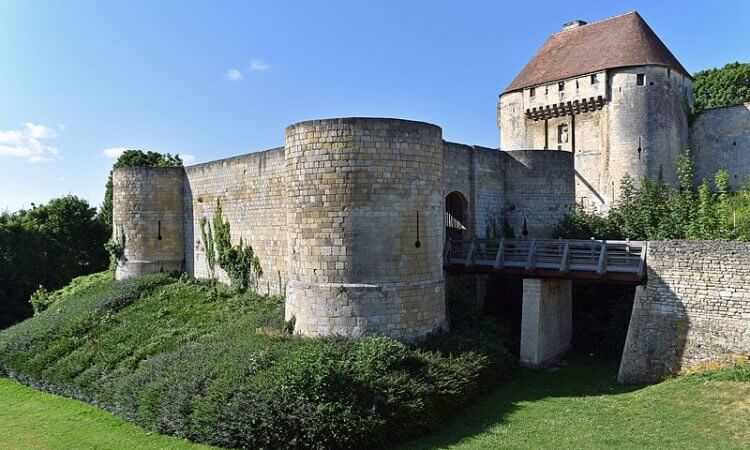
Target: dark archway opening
point(456, 216)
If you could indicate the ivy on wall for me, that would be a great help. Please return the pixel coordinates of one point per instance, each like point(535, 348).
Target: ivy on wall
point(238, 261)
point(116, 248)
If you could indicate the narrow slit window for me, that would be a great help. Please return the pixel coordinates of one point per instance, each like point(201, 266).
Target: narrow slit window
point(593, 79)
point(561, 86)
point(532, 92)
point(640, 79)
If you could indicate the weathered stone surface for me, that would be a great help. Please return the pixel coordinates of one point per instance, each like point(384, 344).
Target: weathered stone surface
point(361, 193)
point(147, 207)
point(694, 310)
point(547, 321)
point(720, 139)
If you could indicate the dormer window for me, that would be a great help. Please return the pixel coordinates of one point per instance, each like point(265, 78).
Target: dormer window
point(640, 79)
point(532, 92)
point(593, 79)
point(561, 86)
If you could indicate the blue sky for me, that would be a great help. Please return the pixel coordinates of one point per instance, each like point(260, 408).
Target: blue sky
point(215, 79)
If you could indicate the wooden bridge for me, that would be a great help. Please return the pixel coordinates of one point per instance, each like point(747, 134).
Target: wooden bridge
point(618, 261)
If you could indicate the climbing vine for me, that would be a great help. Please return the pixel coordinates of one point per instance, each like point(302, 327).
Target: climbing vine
point(238, 261)
point(208, 241)
point(116, 248)
point(495, 228)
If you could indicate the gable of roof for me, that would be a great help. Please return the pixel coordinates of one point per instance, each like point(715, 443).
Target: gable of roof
point(621, 41)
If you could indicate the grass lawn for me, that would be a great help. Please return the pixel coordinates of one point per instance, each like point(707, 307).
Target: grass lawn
point(582, 406)
point(30, 419)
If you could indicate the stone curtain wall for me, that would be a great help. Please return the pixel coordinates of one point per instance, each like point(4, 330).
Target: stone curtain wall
point(720, 139)
point(252, 192)
point(478, 174)
point(693, 312)
point(147, 206)
point(539, 187)
point(354, 188)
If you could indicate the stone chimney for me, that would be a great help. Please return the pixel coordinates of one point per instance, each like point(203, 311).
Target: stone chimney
point(573, 24)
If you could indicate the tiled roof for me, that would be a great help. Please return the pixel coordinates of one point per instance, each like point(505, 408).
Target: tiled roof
point(621, 41)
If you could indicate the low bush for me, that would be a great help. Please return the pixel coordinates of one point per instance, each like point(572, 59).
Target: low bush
point(201, 361)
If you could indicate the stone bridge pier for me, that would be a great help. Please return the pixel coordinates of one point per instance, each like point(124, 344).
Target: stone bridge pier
point(546, 321)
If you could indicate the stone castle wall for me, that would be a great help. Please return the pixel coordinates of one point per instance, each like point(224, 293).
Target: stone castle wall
point(478, 173)
point(347, 219)
point(147, 207)
point(693, 312)
point(251, 189)
point(720, 139)
point(365, 227)
point(539, 188)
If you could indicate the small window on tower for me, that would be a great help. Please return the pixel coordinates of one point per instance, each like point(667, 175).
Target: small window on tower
point(561, 86)
point(640, 79)
point(532, 92)
point(593, 79)
point(669, 73)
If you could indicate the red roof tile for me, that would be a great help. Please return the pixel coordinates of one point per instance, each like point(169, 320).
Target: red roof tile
point(621, 41)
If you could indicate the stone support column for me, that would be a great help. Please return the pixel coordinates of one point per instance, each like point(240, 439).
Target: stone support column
point(546, 324)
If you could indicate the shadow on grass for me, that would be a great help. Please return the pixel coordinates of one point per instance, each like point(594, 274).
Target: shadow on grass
point(576, 376)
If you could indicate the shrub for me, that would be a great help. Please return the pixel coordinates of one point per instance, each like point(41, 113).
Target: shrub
point(657, 211)
point(186, 357)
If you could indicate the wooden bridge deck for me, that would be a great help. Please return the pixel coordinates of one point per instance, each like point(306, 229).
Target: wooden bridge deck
point(618, 261)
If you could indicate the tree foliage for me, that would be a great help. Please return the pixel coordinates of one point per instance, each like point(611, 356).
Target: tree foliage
point(657, 211)
point(46, 246)
point(133, 158)
point(727, 86)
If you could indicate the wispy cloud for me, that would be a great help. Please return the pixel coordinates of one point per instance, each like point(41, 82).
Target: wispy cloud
point(258, 65)
point(113, 152)
point(27, 142)
point(187, 158)
point(234, 75)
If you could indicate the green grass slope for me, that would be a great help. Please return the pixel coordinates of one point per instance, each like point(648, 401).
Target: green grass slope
point(582, 406)
point(30, 419)
point(198, 361)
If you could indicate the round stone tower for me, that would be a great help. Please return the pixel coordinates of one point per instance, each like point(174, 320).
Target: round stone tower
point(148, 216)
point(365, 227)
point(648, 126)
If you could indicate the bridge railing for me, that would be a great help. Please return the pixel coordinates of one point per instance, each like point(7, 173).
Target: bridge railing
point(563, 255)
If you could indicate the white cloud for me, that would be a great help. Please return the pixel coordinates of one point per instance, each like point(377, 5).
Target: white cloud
point(234, 75)
point(258, 65)
point(27, 143)
point(187, 158)
point(113, 152)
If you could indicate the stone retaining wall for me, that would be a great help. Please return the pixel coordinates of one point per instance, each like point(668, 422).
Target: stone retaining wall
point(693, 312)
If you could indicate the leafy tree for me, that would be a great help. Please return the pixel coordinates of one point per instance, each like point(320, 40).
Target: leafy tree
point(133, 158)
point(727, 86)
point(47, 246)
